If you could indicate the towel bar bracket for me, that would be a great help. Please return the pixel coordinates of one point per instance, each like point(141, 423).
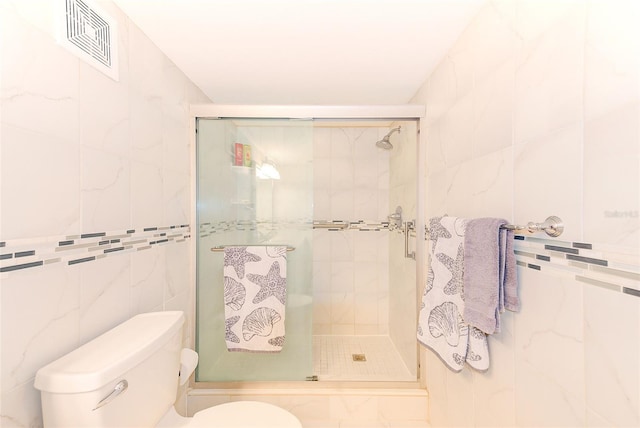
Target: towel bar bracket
point(552, 226)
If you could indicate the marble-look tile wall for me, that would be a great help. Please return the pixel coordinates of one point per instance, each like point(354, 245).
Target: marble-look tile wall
point(350, 268)
point(534, 112)
point(83, 154)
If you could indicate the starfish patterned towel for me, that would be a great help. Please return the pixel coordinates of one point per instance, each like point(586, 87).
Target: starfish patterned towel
point(255, 290)
point(441, 327)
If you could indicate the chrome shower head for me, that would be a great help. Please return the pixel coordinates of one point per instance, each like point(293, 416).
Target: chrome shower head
point(385, 143)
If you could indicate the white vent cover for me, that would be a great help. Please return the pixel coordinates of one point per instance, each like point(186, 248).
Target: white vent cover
point(91, 34)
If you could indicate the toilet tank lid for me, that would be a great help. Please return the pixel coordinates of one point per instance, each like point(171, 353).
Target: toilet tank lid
point(110, 355)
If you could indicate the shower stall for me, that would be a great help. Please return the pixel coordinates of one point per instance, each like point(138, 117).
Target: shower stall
point(339, 188)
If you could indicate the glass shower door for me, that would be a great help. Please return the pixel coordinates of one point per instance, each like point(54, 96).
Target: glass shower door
point(254, 187)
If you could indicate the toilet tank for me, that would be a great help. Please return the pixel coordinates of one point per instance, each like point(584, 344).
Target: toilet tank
point(127, 377)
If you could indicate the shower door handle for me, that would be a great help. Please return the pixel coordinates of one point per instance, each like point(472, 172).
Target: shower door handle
point(408, 227)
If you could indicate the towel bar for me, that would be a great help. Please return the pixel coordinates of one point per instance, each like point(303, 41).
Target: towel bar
point(552, 226)
point(221, 248)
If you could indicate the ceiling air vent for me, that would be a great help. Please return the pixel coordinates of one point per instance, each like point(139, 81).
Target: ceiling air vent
point(91, 34)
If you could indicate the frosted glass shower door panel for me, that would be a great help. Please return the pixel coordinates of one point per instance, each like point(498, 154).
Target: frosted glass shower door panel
point(262, 197)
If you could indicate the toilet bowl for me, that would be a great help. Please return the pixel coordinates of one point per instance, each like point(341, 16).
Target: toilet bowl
point(128, 377)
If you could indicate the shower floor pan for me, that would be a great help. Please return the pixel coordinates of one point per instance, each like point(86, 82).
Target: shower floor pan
point(358, 358)
point(341, 361)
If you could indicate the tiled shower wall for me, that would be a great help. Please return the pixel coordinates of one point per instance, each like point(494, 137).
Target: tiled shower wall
point(350, 268)
point(95, 208)
point(535, 112)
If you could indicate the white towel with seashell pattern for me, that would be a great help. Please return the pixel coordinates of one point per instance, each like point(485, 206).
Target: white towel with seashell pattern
point(441, 327)
point(255, 290)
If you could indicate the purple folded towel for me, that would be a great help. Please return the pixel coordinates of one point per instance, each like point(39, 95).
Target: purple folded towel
point(511, 300)
point(490, 284)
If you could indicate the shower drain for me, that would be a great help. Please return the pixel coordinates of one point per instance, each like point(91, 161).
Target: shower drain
point(359, 357)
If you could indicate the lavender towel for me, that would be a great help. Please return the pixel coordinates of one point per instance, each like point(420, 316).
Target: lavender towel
point(490, 284)
point(511, 300)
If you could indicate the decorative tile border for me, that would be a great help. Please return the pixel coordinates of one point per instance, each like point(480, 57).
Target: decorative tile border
point(75, 249)
point(367, 226)
point(211, 228)
point(611, 268)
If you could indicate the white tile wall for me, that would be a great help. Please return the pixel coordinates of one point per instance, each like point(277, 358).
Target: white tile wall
point(549, 348)
point(613, 390)
point(611, 146)
point(38, 187)
point(82, 153)
point(40, 321)
point(351, 180)
point(553, 129)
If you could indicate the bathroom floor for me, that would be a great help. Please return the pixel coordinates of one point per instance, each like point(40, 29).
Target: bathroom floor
point(358, 358)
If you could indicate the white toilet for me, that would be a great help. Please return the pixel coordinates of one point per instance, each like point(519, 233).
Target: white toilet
point(128, 377)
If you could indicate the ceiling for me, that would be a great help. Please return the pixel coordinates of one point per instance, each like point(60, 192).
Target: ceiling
point(315, 52)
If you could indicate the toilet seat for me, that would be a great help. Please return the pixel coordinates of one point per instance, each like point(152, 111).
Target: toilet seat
point(245, 414)
point(238, 414)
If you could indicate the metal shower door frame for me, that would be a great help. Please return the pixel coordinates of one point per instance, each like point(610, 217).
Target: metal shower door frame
point(407, 112)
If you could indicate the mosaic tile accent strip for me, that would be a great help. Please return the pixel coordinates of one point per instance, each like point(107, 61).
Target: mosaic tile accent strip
point(368, 226)
point(614, 269)
point(631, 291)
point(210, 228)
point(87, 247)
